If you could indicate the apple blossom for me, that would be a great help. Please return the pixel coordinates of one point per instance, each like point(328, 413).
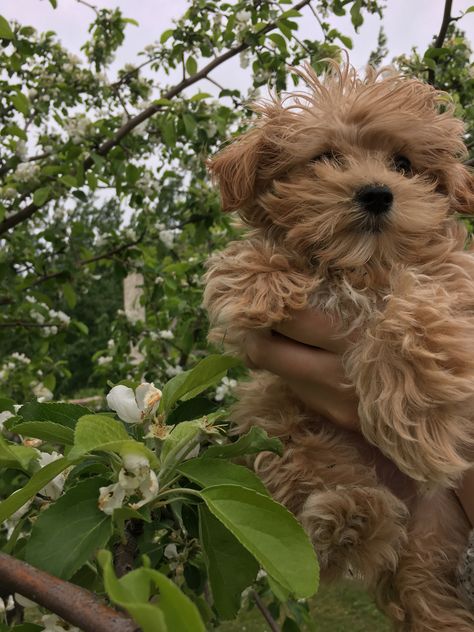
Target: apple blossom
point(133, 406)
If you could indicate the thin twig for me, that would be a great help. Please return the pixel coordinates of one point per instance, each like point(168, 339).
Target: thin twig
point(76, 605)
point(274, 627)
point(439, 41)
point(313, 11)
point(90, 6)
point(103, 150)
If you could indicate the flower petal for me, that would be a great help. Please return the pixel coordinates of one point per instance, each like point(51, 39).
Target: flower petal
point(122, 399)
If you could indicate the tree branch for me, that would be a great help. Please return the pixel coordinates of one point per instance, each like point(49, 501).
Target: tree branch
point(103, 150)
point(72, 603)
point(273, 625)
point(439, 41)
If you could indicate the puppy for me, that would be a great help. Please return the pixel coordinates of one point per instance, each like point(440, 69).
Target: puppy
point(349, 191)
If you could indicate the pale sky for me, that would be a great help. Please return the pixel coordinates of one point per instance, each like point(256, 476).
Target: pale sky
point(407, 23)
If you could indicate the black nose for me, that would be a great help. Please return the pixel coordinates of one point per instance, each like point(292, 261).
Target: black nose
point(375, 198)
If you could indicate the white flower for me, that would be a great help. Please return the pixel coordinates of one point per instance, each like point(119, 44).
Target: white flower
point(244, 17)
point(167, 237)
point(64, 318)
point(23, 601)
point(10, 193)
point(9, 605)
point(42, 393)
point(21, 150)
point(77, 127)
point(171, 371)
point(170, 551)
point(135, 478)
point(111, 497)
point(104, 360)
point(21, 357)
point(26, 171)
point(224, 388)
point(54, 488)
point(4, 415)
point(133, 407)
point(149, 488)
point(166, 334)
point(244, 59)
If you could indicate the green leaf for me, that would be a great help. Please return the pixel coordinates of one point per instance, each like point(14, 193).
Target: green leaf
point(20, 103)
point(36, 482)
point(166, 35)
point(67, 534)
point(190, 383)
point(5, 30)
point(207, 472)
point(45, 430)
point(64, 414)
point(231, 568)
point(100, 432)
point(256, 440)
point(173, 612)
point(41, 196)
point(270, 532)
point(191, 66)
point(469, 10)
point(69, 180)
point(15, 456)
point(180, 438)
point(356, 16)
point(279, 41)
point(7, 404)
point(70, 295)
point(83, 328)
point(200, 96)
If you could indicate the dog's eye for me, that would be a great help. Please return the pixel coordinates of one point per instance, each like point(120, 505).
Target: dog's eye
point(402, 164)
point(327, 156)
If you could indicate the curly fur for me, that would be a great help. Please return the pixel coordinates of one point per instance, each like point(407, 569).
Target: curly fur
point(404, 284)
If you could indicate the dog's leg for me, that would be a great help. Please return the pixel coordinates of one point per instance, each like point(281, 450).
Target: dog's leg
point(250, 286)
point(422, 596)
point(414, 374)
point(356, 525)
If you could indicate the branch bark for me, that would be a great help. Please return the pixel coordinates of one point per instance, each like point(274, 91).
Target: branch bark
point(103, 150)
point(72, 603)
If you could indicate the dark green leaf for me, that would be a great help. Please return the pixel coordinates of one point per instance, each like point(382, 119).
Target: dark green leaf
point(207, 472)
point(20, 103)
point(5, 30)
point(231, 568)
point(64, 414)
point(191, 66)
point(67, 534)
point(190, 383)
point(45, 430)
point(256, 440)
point(41, 196)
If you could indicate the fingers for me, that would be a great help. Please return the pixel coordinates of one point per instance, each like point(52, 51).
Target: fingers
point(313, 327)
point(294, 361)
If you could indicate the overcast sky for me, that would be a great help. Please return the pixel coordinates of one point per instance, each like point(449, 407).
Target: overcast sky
point(407, 23)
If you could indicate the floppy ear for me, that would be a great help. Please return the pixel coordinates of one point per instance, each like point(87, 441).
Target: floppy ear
point(235, 170)
point(462, 193)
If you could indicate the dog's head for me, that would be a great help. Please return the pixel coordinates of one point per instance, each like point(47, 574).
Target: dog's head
point(353, 169)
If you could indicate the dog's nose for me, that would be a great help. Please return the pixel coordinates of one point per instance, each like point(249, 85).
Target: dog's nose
point(375, 198)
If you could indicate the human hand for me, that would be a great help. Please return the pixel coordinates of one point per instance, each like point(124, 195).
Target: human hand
point(306, 351)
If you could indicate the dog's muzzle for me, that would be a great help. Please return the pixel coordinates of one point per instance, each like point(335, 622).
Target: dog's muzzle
point(376, 199)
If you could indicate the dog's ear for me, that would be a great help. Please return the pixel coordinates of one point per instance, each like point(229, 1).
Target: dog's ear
point(235, 168)
point(462, 191)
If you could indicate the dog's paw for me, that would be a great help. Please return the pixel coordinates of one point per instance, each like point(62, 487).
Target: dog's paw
point(251, 286)
point(356, 530)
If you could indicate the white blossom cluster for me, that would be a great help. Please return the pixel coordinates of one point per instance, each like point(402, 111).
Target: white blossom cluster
point(52, 623)
point(147, 184)
point(14, 361)
point(41, 313)
point(171, 370)
point(136, 478)
point(224, 388)
point(41, 393)
point(78, 127)
point(167, 236)
point(243, 20)
point(26, 171)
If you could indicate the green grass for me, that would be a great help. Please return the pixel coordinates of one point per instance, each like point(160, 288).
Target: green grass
point(340, 608)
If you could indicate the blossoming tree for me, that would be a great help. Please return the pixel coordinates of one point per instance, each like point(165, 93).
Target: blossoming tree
point(103, 179)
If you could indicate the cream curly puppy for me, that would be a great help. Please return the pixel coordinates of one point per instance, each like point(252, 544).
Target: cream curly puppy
point(350, 191)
